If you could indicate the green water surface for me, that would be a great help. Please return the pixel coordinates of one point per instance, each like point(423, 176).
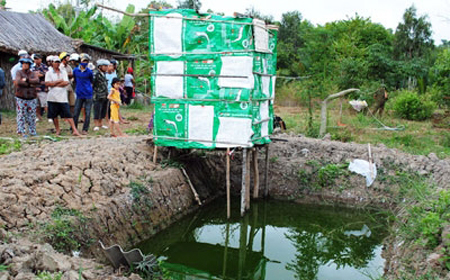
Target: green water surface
point(275, 240)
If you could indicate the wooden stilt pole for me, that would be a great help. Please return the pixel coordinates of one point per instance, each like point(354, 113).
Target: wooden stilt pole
point(155, 153)
point(266, 173)
point(247, 180)
point(255, 174)
point(228, 185)
point(225, 252)
point(244, 175)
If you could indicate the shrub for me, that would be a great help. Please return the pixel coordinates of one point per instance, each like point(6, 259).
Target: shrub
point(408, 105)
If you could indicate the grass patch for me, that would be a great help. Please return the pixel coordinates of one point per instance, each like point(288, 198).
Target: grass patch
point(45, 275)
point(8, 146)
point(171, 163)
point(322, 175)
point(137, 131)
point(3, 267)
point(67, 231)
point(273, 159)
point(140, 194)
point(136, 106)
point(330, 172)
point(418, 138)
point(426, 214)
point(132, 118)
point(445, 140)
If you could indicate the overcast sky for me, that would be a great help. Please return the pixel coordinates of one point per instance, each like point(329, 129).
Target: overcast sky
point(387, 12)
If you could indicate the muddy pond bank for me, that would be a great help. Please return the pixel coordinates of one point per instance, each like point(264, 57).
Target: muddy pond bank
point(111, 191)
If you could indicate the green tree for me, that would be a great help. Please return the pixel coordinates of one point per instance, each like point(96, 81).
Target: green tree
point(155, 5)
point(254, 13)
point(413, 46)
point(380, 65)
point(293, 28)
point(413, 36)
point(189, 4)
point(292, 37)
point(440, 73)
point(352, 41)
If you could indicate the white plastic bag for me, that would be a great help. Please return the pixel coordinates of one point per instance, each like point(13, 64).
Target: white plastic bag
point(364, 168)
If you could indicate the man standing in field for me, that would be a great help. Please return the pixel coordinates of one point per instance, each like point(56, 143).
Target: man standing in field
point(100, 87)
point(57, 99)
point(380, 99)
point(65, 58)
point(41, 69)
point(83, 88)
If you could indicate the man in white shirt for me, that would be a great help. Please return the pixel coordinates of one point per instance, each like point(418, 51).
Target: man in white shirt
point(57, 99)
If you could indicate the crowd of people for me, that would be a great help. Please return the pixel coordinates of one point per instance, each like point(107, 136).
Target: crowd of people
point(69, 86)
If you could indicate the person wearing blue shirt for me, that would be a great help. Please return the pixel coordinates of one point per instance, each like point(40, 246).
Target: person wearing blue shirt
point(2, 81)
point(83, 88)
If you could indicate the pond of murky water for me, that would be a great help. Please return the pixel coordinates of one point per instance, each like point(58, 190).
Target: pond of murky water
point(275, 240)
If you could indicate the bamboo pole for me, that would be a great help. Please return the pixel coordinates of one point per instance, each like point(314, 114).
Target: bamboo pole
point(266, 173)
point(255, 174)
point(242, 246)
point(155, 153)
point(225, 252)
point(207, 18)
point(197, 198)
point(370, 162)
point(247, 180)
point(228, 185)
point(244, 175)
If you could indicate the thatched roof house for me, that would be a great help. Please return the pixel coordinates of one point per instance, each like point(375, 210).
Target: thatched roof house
point(33, 33)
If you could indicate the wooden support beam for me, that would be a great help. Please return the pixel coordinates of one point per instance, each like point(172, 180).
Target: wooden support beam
point(266, 173)
point(244, 175)
point(228, 185)
point(255, 174)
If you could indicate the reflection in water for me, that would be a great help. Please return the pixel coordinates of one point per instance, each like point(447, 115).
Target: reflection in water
point(275, 240)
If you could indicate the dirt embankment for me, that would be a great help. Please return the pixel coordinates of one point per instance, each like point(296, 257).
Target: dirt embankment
point(125, 198)
point(112, 183)
point(294, 161)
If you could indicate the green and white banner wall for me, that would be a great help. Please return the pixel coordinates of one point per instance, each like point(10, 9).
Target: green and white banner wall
point(213, 82)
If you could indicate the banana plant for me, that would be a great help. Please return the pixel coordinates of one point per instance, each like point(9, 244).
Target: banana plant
point(67, 22)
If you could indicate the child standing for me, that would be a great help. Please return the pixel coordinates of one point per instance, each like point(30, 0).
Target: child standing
point(114, 97)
